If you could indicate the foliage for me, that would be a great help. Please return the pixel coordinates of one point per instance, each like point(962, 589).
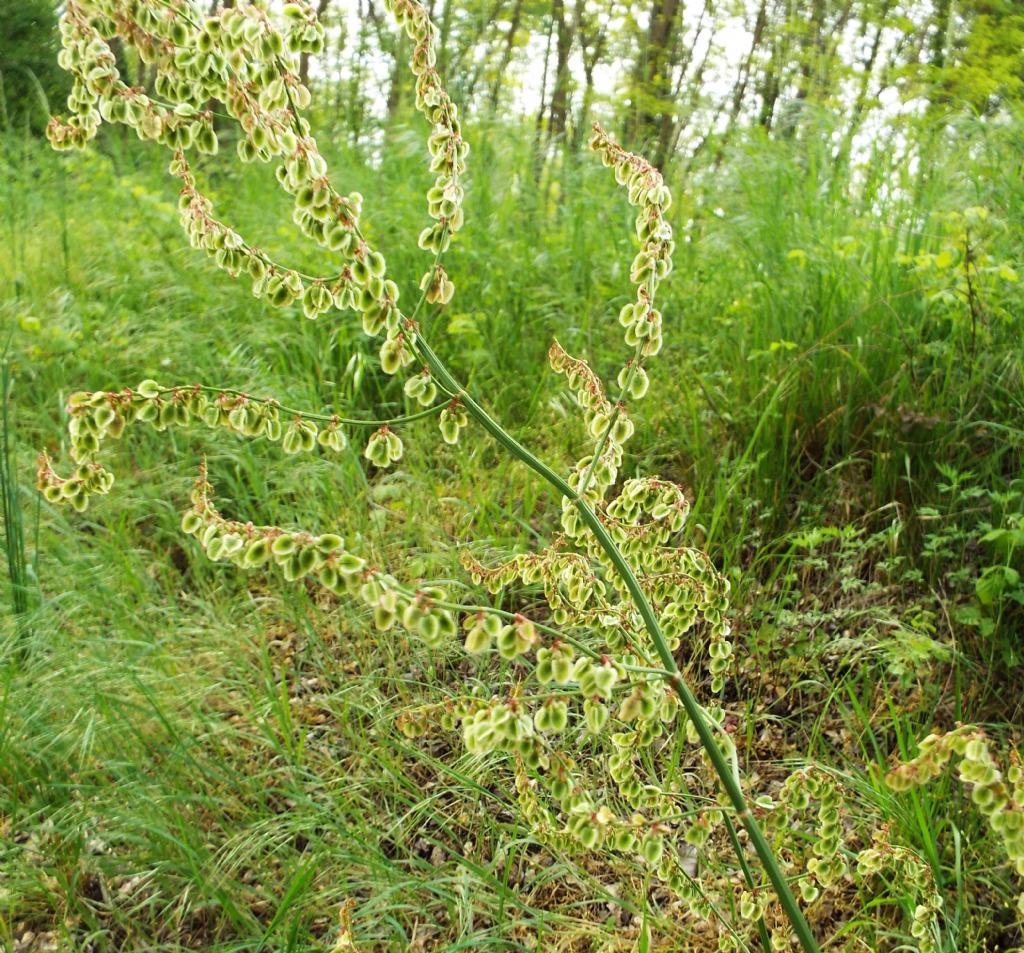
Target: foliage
point(32, 83)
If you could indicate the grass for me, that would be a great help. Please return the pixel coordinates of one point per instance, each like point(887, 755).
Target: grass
point(193, 760)
point(19, 570)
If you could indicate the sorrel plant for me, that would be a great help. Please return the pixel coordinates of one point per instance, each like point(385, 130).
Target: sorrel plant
point(621, 592)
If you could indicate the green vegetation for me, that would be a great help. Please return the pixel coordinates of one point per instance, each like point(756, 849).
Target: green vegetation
point(30, 79)
point(196, 758)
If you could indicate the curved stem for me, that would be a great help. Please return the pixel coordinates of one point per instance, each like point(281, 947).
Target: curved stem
point(305, 414)
point(694, 710)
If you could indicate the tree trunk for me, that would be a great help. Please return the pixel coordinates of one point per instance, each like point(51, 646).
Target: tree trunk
point(454, 65)
point(506, 55)
point(395, 84)
point(937, 45)
point(937, 52)
point(538, 158)
point(443, 38)
point(739, 89)
point(811, 54)
point(560, 91)
point(580, 127)
point(671, 117)
point(592, 39)
point(860, 104)
point(653, 73)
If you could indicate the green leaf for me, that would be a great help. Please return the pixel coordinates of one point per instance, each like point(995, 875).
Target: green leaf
point(990, 585)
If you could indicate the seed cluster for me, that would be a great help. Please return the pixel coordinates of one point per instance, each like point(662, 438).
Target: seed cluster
point(244, 57)
point(648, 193)
point(608, 421)
point(579, 585)
point(324, 557)
point(999, 796)
point(823, 863)
point(97, 416)
point(915, 876)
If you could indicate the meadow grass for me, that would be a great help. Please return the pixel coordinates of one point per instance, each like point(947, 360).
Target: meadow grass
point(190, 759)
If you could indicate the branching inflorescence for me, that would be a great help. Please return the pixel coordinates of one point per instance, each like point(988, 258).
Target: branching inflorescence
point(622, 595)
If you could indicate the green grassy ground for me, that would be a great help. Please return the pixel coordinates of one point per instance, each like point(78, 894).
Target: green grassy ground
point(194, 760)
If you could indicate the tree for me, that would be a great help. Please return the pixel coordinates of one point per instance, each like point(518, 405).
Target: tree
point(651, 92)
point(981, 62)
point(508, 46)
point(559, 108)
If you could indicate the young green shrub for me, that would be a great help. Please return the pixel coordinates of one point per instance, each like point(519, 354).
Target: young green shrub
point(594, 691)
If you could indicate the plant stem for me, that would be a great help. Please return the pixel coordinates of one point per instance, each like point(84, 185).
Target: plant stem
point(762, 930)
point(14, 533)
point(693, 708)
point(292, 412)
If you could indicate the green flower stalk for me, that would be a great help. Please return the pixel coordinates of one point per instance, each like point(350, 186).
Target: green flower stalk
point(241, 57)
point(595, 673)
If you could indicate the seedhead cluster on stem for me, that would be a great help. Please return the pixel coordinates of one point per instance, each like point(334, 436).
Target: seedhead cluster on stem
point(241, 56)
point(592, 699)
